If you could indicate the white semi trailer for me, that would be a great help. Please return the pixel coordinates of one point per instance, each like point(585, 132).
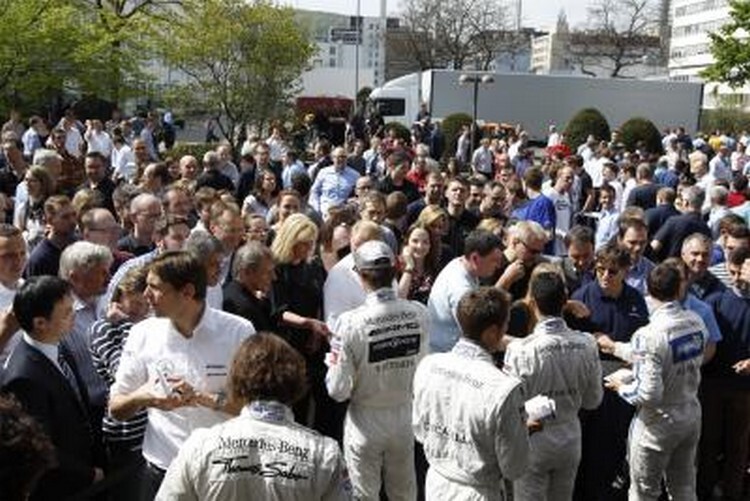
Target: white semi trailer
point(536, 101)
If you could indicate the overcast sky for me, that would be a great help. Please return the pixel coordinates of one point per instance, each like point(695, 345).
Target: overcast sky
point(536, 13)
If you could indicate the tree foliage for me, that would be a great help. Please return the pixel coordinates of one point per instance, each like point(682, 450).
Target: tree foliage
point(51, 50)
point(454, 33)
point(620, 34)
point(730, 47)
point(240, 60)
point(585, 123)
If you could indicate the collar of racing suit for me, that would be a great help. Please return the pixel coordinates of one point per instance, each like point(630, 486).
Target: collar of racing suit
point(550, 325)
point(268, 410)
point(667, 308)
point(469, 349)
point(380, 295)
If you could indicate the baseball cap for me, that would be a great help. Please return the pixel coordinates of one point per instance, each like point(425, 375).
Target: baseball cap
point(373, 255)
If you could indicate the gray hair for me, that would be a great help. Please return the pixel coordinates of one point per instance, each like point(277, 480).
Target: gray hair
point(250, 255)
point(693, 196)
point(83, 255)
point(211, 160)
point(697, 237)
point(44, 157)
point(202, 244)
point(142, 200)
point(719, 194)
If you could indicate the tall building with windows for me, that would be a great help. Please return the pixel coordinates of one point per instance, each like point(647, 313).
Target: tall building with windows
point(690, 53)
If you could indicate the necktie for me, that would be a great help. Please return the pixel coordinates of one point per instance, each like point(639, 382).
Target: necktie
point(68, 373)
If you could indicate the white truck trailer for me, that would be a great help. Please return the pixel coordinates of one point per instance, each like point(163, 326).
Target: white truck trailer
point(537, 101)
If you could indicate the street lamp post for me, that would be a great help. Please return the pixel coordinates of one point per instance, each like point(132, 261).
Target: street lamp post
point(475, 80)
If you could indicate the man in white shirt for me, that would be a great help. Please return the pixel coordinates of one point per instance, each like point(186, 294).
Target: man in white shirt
point(12, 261)
point(559, 193)
point(343, 290)
point(175, 365)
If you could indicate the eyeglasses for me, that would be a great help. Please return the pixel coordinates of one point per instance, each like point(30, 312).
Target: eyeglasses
point(603, 270)
point(531, 250)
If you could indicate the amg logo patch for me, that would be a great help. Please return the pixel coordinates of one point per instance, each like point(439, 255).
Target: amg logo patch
point(394, 347)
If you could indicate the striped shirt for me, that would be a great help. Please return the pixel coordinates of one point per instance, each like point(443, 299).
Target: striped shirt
point(107, 340)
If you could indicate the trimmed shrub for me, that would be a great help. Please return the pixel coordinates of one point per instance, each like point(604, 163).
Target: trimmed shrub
point(197, 150)
point(728, 120)
point(451, 127)
point(585, 123)
point(641, 130)
point(402, 132)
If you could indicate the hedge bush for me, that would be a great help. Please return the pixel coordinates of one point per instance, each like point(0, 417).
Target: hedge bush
point(585, 123)
point(637, 130)
point(729, 120)
point(197, 150)
point(452, 125)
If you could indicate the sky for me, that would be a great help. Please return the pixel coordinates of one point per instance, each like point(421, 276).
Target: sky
point(536, 13)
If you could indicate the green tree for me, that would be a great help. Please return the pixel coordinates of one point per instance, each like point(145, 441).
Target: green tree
point(730, 48)
point(241, 60)
point(37, 42)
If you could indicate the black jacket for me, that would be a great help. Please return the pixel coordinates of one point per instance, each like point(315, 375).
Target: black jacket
point(47, 396)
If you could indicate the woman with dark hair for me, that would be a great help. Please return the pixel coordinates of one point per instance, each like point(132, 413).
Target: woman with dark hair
point(262, 453)
point(419, 264)
point(263, 196)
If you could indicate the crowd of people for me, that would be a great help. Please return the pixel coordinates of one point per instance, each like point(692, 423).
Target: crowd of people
point(226, 326)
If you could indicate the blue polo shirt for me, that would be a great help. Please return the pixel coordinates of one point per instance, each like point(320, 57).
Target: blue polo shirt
point(617, 317)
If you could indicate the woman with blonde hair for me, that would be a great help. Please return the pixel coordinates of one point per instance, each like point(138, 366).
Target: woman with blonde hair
point(298, 298)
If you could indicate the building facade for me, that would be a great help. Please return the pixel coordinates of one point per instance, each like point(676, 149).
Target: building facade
point(690, 50)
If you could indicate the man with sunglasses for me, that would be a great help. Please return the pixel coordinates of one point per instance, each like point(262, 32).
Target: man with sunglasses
point(617, 310)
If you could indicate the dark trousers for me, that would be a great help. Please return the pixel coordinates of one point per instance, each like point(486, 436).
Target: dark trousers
point(725, 434)
point(124, 472)
point(603, 470)
point(151, 481)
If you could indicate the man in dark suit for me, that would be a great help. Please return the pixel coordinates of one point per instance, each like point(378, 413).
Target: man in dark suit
point(44, 379)
point(247, 294)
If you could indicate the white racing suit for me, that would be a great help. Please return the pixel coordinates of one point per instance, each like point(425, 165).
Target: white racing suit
point(469, 415)
point(374, 353)
point(261, 454)
point(667, 356)
point(563, 365)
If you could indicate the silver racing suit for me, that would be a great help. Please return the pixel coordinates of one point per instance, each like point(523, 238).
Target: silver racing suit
point(374, 353)
point(667, 356)
point(563, 365)
point(469, 415)
point(261, 454)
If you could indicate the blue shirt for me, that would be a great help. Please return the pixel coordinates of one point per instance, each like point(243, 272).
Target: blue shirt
point(704, 311)
point(617, 317)
point(332, 188)
point(733, 316)
point(289, 172)
point(450, 286)
point(638, 274)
